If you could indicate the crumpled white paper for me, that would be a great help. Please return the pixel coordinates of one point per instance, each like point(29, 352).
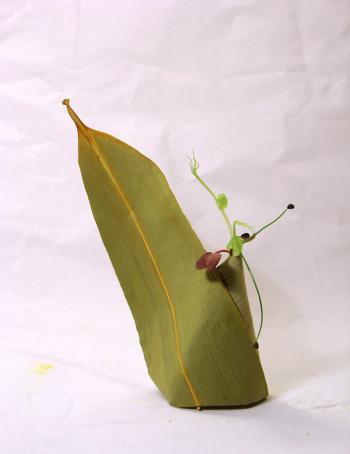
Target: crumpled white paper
point(260, 91)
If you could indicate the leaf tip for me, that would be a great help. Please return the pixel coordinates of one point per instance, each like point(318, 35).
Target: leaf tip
point(79, 124)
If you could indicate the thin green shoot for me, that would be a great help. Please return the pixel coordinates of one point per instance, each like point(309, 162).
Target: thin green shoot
point(194, 165)
point(270, 223)
point(259, 296)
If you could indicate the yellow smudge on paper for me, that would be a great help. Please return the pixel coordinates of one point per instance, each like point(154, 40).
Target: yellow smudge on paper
point(43, 368)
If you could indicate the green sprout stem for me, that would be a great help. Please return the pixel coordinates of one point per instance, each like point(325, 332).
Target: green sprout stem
point(259, 296)
point(194, 167)
point(270, 223)
point(228, 223)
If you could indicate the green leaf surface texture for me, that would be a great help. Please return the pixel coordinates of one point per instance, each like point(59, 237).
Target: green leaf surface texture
point(196, 341)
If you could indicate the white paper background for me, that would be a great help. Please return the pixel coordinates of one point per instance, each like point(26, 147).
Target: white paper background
point(261, 91)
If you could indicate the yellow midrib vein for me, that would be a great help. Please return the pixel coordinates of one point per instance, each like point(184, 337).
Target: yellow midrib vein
point(83, 128)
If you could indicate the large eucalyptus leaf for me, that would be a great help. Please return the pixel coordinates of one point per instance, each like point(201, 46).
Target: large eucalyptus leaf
point(196, 341)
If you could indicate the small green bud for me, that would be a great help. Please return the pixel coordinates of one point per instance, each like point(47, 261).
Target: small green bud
point(221, 201)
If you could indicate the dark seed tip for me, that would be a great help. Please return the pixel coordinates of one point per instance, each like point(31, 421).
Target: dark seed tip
point(245, 236)
point(290, 206)
point(256, 345)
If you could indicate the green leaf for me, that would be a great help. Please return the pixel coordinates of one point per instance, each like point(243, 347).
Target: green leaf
point(196, 343)
point(221, 201)
point(236, 244)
